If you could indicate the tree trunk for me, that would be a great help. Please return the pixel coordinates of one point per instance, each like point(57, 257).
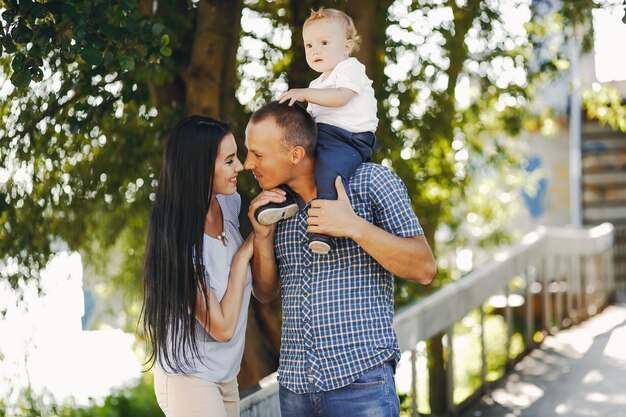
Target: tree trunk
point(260, 356)
point(370, 21)
point(211, 72)
point(299, 75)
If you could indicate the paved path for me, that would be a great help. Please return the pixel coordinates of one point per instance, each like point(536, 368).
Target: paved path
point(580, 372)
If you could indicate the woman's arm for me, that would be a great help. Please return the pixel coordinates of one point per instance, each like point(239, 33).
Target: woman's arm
point(223, 316)
point(265, 285)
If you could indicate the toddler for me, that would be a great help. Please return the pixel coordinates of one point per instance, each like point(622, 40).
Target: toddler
point(342, 102)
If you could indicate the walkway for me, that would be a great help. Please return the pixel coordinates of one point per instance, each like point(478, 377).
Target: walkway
point(580, 372)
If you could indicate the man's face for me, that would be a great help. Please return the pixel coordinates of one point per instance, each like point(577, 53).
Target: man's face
point(269, 162)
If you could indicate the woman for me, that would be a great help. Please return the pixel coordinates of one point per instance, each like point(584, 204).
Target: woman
point(196, 274)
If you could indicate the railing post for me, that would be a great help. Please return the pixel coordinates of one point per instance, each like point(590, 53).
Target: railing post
point(414, 412)
point(483, 353)
point(508, 317)
point(576, 287)
point(602, 284)
point(450, 373)
point(584, 287)
point(558, 280)
point(545, 281)
point(530, 319)
point(610, 273)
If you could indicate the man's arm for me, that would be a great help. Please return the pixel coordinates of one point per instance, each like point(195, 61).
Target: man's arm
point(407, 257)
point(328, 97)
point(264, 269)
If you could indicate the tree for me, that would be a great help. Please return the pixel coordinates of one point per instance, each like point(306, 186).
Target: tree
point(95, 85)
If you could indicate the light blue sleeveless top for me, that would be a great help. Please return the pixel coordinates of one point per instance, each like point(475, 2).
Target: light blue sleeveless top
point(220, 362)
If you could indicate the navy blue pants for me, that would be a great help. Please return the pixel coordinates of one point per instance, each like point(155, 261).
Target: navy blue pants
point(339, 152)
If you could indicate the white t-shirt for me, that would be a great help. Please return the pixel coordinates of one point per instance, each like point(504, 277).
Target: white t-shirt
point(220, 361)
point(357, 115)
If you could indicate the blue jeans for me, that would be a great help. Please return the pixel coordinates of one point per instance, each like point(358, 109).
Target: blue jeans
point(373, 394)
point(339, 153)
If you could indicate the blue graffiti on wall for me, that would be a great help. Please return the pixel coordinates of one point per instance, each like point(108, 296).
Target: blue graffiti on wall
point(535, 203)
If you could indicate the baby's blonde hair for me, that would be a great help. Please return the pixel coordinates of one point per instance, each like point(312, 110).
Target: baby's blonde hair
point(348, 24)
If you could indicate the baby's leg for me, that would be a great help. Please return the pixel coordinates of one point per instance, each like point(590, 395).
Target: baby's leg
point(336, 155)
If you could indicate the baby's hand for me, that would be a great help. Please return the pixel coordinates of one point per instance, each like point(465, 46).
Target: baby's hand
point(293, 95)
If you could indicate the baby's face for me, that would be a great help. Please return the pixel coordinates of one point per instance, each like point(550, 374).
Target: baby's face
point(325, 44)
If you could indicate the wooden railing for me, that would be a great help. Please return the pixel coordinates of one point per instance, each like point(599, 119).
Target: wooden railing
point(568, 276)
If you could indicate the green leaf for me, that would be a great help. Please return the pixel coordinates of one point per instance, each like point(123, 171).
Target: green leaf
point(38, 10)
point(9, 46)
point(79, 33)
point(8, 16)
point(35, 51)
point(128, 5)
point(21, 34)
point(36, 74)
point(157, 29)
point(132, 26)
point(109, 30)
point(26, 5)
point(127, 62)
point(91, 56)
point(139, 51)
point(68, 10)
point(165, 51)
point(18, 63)
point(165, 40)
point(21, 79)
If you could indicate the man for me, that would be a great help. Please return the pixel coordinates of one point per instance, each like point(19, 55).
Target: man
point(338, 348)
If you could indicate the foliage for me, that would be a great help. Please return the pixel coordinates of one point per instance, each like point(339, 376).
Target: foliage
point(80, 148)
point(606, 105)
point(134, 401)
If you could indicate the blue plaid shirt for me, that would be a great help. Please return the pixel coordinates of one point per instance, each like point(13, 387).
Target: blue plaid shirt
point(338, 308)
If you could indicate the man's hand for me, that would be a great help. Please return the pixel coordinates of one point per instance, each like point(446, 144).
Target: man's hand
point(293, 95)
point(333, 217)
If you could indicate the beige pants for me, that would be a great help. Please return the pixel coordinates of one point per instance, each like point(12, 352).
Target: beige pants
point(189, 396)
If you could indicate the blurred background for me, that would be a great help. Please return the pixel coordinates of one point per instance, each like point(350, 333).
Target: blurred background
point(487, 110)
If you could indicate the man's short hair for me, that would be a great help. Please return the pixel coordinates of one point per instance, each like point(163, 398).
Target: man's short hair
point(299, 128)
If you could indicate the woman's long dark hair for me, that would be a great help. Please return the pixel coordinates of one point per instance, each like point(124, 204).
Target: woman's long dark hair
point(173, 270)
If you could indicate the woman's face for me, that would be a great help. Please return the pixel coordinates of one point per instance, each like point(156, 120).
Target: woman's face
point(227, 167)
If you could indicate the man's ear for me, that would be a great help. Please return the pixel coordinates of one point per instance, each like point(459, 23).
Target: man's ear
point(297, 154)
